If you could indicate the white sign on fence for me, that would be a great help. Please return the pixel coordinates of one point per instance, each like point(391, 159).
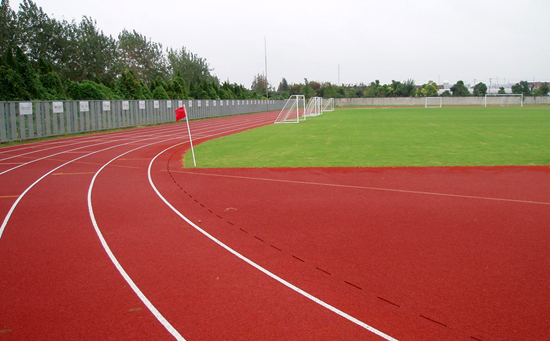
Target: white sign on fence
point(57, 107)
point(190, 104)
point(125, 105)
point(84, 106)
point(156, 104)
point(142, 105)
point(106, 106)
point(25, 108)
point(180, 104)
point(169, 104)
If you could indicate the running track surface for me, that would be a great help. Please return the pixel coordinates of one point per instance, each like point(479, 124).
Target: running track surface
point(94, 245)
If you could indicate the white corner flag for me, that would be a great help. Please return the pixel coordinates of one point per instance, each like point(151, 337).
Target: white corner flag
point(181, 113)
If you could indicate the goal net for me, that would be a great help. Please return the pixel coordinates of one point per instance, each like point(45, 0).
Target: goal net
point(293, 110)
point(313, 107)
point(433, 102)
point(328, 105)
point(504, 100)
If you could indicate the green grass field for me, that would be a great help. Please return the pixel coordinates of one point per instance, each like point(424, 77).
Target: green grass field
point(396, 137)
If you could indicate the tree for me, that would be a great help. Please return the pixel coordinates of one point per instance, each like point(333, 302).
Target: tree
point(429, 89)
point(306, 90)
point(96, 55)
point(259, 84)
point(543, 90)
point(8, 27)
point(144, 57)
point(459, 89)
point(501, 91)
point(522, 88)
point(480, 89)
point(407, 89)
point(188, 66)
point(283, 86)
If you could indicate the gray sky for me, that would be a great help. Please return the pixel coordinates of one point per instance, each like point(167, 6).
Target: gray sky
point(369, 39)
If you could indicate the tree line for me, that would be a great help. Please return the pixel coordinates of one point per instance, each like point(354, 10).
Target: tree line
point(42, 58)
point(406, 88)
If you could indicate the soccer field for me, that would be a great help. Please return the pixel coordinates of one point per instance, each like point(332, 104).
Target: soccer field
point(394, 137)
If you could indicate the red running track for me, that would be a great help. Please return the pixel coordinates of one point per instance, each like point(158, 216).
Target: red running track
point(414, 253)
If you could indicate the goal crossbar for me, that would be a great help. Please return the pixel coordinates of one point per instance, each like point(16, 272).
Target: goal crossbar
point(504, 99)
point(293, 110)
point(433, 102)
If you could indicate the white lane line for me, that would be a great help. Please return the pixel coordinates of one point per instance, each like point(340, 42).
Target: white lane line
point(258, 267)
point(119, 267)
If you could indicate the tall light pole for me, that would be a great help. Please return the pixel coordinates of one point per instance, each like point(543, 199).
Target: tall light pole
point(266, 81)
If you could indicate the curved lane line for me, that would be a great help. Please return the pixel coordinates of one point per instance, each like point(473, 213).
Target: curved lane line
point(258, 267)
point(114, 260)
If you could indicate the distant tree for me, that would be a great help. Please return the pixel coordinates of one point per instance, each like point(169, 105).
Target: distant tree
point(407, 89)
point(429, 89)
point(459, 89)
point(160, 93)
point(306, 90)
point(29, 76)
point(283, 86)
point(144, 57)
point(259, 84)
point(8, 27)
point(130, 87)
point(188, 66)
point(542, 91)
point(329, 91)
point(89, 90)
point(501, 91)
point(522, 88)
point(12, 86)
point(480, 89)
point(446, 93)
point(51, 81)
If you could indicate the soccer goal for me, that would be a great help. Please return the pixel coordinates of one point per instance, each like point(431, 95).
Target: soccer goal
point(313, 107)
point(293, 110)
point(433, 102)
point(504, 100)
point(328, 105)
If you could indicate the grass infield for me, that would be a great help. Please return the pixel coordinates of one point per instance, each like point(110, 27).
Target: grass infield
point(395, 137)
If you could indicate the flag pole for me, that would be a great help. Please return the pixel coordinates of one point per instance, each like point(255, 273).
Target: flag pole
point(190, 139)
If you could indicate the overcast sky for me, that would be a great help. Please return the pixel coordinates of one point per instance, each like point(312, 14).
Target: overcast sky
point(440, 40)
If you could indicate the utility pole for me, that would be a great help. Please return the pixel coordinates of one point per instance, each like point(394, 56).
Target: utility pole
point(266, 81)
point(489, 86)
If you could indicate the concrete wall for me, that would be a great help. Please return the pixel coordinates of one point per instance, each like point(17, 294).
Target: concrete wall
point(447, 101)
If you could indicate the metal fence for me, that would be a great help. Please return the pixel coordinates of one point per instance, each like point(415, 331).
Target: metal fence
point(30, 120)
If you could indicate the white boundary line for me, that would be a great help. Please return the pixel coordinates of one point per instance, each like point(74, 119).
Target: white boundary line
point(258, 267)
point(119, 267)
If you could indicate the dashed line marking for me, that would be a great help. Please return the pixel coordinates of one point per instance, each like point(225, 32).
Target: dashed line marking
point(434, 321)
point(328, 273)
point(353, 285)
point(389, 302)
point(301, 260)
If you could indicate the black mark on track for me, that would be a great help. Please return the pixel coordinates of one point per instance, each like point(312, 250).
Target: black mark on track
point(434, 321)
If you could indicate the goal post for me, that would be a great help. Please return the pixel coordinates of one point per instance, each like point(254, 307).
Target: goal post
point(293, 110)
point(504, 100)
point(328, 105)
point(313, 107)
point(433, 102)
